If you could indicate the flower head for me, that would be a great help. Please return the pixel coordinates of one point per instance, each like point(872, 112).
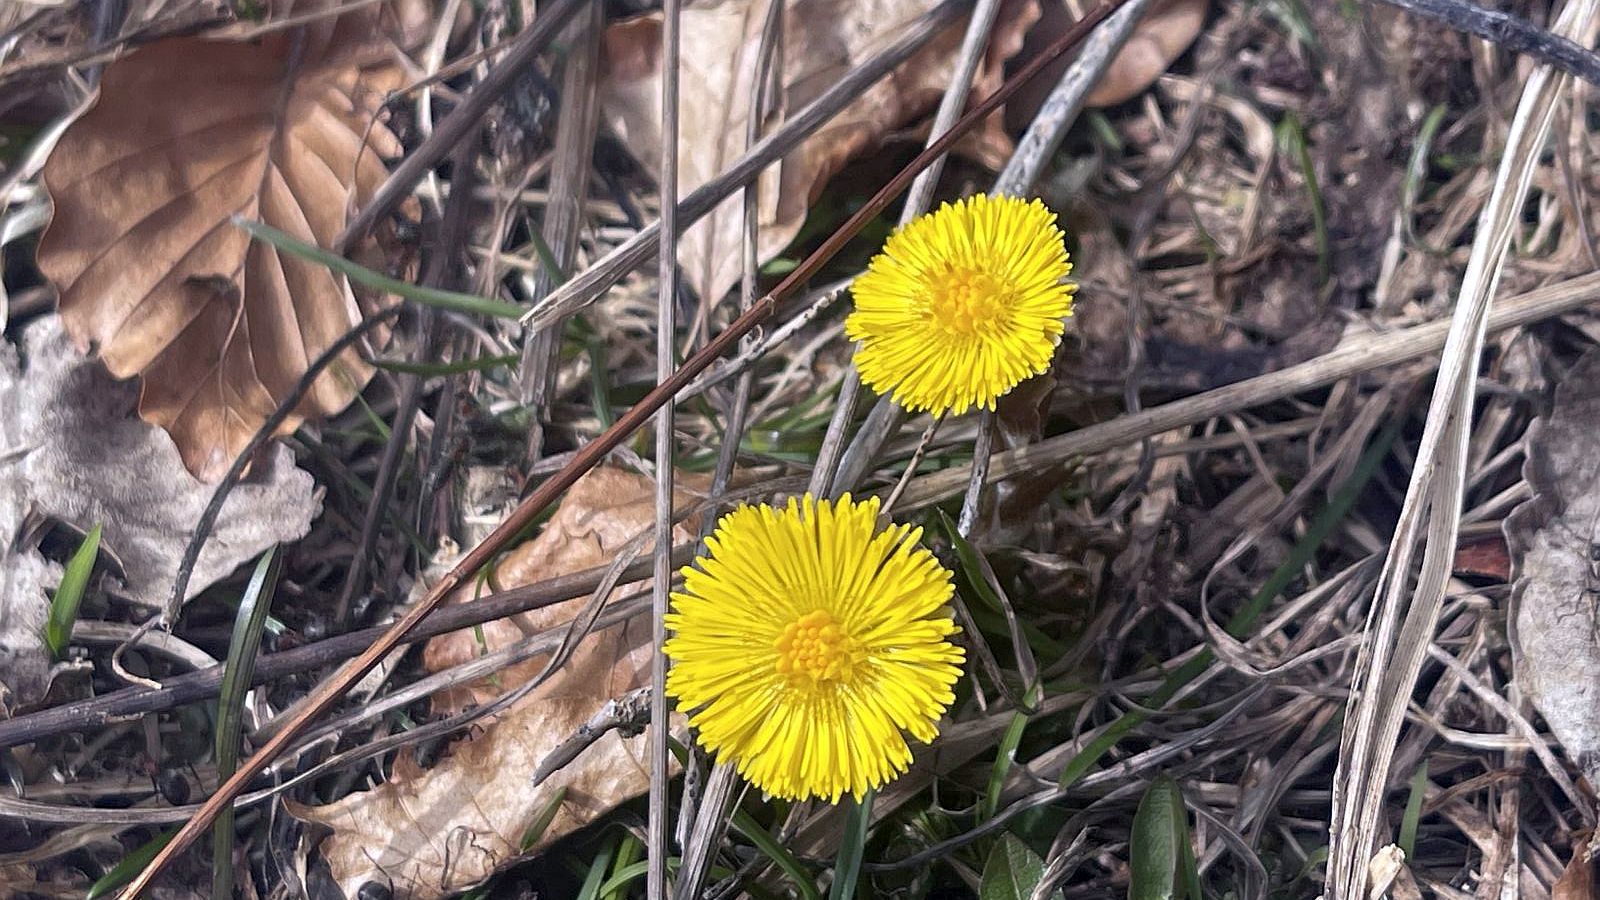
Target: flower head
point(807, 643)
point(962, 304)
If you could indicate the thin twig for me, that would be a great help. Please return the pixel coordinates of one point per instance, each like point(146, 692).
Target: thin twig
point(702, 810)
point(911, 466)
point(1368, 353)
point(83, 715)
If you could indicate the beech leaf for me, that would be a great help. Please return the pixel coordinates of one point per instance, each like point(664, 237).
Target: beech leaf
point(188, 133)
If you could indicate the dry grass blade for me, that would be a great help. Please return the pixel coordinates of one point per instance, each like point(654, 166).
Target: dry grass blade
point(149, 267)
point(656, 846)
point(1402, 620)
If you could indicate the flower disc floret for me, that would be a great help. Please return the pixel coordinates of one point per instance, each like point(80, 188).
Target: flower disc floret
point(808, 643)
point(963, 304)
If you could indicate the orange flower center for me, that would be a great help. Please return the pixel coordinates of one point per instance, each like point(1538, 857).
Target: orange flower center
point(968, 302)
point(814, 651)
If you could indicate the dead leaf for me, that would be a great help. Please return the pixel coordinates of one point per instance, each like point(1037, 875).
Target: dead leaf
point(823, 39)
point(442, 830)
point(188, 133)
point(72, 450)
point(1577, 880)
point(1161, 36)
point(1553, 537)
point(1484, 557)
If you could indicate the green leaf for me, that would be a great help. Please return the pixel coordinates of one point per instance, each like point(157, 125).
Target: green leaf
point(1005, 756)
point(597, 871)
point(1160, 858)
point(237, 674)
point(1012, 871)
point(64, 608)
point(471, 304)
point(617, 884)
point(131, 865)
point(847, 864)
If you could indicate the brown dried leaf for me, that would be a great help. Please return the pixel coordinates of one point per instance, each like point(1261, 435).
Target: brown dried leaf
point(186, 134)
point(445, 829)
point(1577, 881)
point(1158, 40)
point(1554, 631)
point(1162, 36)
point(822, 40)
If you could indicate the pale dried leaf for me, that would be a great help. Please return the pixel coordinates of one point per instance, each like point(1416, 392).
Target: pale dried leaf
point(1554, 630)
point(433, 832)
point(822, 40)
point(188, 133)
point(71, 450)
point(1157, 41)
point(1162, 36)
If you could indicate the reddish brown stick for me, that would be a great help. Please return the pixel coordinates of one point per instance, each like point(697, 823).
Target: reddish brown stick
point(545, 494)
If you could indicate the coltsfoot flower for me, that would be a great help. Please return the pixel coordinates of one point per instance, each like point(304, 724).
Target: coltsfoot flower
point(963, 304)
point(807, 643)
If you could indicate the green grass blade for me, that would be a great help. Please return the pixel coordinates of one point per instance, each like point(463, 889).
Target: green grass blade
point(547, 258)
point(1005, 757)
point(471, 304)
point(131, 865)
point(1292, 137)
point(781, 857)
point(597, 871)
point(237, 673)
point(629, 850)
point(541, 822)
point(847, 865)
point(1413, 814)
point(69, 596)
point(617, 884)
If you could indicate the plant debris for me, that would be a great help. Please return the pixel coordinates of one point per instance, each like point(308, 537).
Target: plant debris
point(75, 454)
point(187, 134)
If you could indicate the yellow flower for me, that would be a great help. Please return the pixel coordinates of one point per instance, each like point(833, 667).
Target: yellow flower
point(962, 304)
point(807, 643)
